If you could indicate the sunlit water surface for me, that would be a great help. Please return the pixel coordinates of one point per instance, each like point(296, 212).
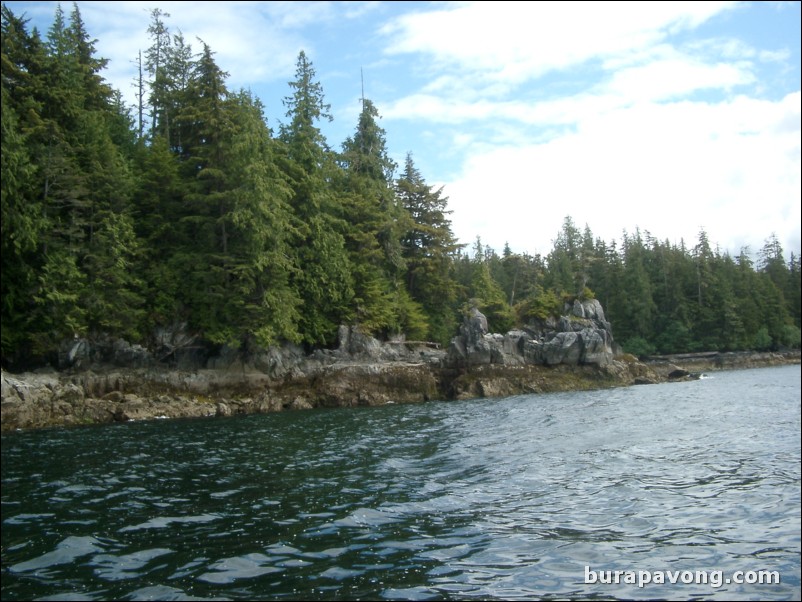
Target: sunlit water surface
point(507, 499)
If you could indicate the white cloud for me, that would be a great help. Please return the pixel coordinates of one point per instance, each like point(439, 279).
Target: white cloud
point(677, 77)
point(519, 40)
point(651, 133)
point(671, 169)
point(659, 80)
point(252, 41)
point(615, 113)
point(255, 42)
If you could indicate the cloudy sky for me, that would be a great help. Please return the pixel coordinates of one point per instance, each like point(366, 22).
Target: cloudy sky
point(670, 117)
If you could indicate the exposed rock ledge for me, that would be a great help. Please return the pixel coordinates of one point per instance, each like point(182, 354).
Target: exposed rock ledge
point(574, 353)
point(34, 400)
point(696, 363)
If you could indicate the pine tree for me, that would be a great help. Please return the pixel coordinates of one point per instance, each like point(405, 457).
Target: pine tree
point(637, 292)
point(262, 306)
point(324, 279)
point(204, 255)
point(79, 187)
point(484, 291)
point(705, 310)
point(794, 289)
point(20, 226)
point(158, 209)
point(155, 60)
point(23, 224)
point(177, 73)
point(429, 250)
point(565, 270)
point(373, 239)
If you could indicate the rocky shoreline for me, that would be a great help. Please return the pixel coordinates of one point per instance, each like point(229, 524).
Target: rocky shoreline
point(575, 353)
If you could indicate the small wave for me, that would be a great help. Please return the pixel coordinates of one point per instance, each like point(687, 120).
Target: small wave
point(159, 592)
point(21, 519)
point(115, 568)
point(230, 570)
point(66, 552)
point(165, 521)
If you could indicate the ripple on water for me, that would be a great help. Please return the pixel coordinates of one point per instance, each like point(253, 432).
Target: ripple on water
point(492, 499)
point(20, 519)
point(162, 522)
point(126, 566)
point(234, 569)
point(66, 552)
point(411, 593)
point(163, 592)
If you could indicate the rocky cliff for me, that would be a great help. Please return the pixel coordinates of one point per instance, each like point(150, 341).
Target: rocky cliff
point(581, 336)
point(111, 381)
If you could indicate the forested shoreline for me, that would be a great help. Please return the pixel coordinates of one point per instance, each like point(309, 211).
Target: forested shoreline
point(188, 209)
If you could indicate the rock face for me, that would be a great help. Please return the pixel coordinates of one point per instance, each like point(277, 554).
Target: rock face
point(580, 337)
point(109, 380)
point(81, 353)
point(112, 381)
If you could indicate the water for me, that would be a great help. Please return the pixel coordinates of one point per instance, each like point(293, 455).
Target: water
point(489, 499)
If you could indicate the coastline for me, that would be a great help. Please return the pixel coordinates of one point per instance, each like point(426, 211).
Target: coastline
point(45, 399)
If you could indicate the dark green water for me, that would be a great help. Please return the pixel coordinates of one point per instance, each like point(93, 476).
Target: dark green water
point(490, 499)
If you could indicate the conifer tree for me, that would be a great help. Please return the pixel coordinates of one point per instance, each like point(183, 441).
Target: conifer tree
point(429, 249)
point(565, 270)
point(323, 279)
point(373, 239)
point(262, 306)
point(81, 187)
point(203, 256)
point(20, 219)
point(155, 65)
point(637, 322)
point(158, 209)
point(484, 292)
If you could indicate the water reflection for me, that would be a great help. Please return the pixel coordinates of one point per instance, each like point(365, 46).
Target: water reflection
point(495, 499)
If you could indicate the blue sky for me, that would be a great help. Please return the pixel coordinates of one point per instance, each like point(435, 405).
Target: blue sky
point(666, 116)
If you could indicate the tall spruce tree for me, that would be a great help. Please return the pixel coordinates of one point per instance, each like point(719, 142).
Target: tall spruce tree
point(430, 249)
point(112, 296)
point(323, 278)
point(636, 327)
point(376, 224)
point(485, 292)
point(565, 266)
point(158, 209)
point(21, 219)
point(262, 306)
point(204, 256)
point(80, 187)
point(155, 65)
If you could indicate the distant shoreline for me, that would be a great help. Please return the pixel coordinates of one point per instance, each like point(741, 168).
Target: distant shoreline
point(730, 360)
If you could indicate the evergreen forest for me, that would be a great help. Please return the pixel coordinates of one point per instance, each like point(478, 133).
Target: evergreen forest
point(186, 208)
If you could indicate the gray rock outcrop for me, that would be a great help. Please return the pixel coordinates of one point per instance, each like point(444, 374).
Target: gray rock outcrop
point(109, 380)
point(582, 336)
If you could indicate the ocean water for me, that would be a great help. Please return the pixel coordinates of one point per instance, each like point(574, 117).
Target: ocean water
point(581, 495)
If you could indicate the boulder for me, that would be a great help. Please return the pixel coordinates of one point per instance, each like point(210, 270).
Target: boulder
point(563, 348)
point(597, 347)
point(175, 345)
point(74, 353)
point(581, 336)
point(79, 353)
point(353, 342)
point(278, 362)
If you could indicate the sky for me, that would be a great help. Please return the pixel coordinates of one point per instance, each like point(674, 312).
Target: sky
point(666, 117)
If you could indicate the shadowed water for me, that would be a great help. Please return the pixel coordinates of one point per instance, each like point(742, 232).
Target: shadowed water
point(489, 499)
